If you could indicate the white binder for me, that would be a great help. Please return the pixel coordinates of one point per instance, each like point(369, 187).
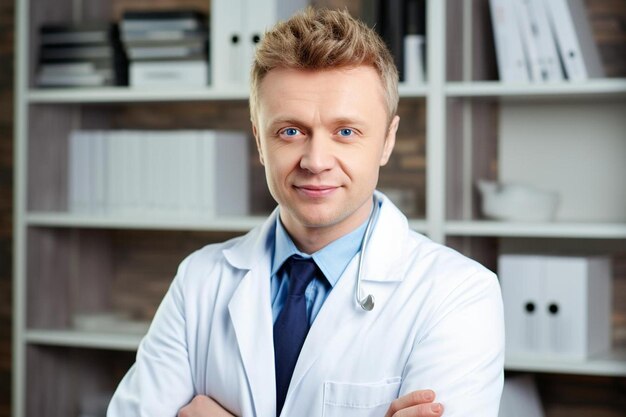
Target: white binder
point(578, 50)
point(529, 40)
point(546, 45)
point(229, 63)
point(236, 28)
point(512, 65)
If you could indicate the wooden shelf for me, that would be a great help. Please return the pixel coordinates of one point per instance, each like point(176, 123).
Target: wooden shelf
point(540, 230)
point(82, 339)
point(608, 364)
point(236, 224)
point(602, 88)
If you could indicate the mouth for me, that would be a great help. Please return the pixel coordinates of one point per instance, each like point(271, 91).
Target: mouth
point(316, 191)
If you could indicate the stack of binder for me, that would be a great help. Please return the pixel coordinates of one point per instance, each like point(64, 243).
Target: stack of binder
point(194, 174)
point(84, 55)
point(544, 41)
point(166, 47)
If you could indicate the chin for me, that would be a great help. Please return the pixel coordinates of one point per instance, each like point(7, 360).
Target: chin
point(319, 218)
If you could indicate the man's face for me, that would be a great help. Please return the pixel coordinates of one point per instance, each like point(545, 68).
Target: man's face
point(322, 137)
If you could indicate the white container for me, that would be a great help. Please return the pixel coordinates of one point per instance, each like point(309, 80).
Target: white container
point(556, 306)
point(517, 202)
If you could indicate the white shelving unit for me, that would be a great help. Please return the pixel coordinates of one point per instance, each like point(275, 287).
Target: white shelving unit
point(463, 127)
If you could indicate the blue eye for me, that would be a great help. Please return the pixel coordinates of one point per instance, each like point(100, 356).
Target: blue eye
point(290, 131)
point(346, 132)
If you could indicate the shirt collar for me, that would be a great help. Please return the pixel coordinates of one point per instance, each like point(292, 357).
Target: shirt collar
point(332, 259)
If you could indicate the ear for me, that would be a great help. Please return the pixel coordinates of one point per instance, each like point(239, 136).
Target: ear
point(257, 139)
point(390, 140)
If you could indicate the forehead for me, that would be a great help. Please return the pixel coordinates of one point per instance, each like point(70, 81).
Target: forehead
point(284, 89)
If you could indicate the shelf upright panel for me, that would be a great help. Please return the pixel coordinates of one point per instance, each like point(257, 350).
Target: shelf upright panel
point(19, 206)
point(435, 119)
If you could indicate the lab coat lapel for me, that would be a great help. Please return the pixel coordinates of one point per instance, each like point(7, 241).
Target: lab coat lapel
point(251, 316)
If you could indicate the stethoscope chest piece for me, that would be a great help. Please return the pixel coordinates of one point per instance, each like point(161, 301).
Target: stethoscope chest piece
point(367, 303)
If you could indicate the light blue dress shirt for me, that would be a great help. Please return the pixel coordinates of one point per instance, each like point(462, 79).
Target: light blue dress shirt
point(332, 260)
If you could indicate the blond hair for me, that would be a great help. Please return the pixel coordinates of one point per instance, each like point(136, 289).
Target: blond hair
point(318, 39)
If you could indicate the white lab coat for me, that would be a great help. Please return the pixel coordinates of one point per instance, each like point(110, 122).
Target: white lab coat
point(437, 323)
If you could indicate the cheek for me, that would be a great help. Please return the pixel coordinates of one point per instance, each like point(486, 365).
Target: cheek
point(279, 163)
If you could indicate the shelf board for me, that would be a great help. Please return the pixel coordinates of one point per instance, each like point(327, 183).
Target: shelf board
point(126, 94)
point(495, 89)
point(541, 230)
point(608, 364)
point(235, 224)
point(82, 339)
point(407, 91)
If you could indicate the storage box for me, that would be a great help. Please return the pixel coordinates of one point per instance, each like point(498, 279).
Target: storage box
point(556, 306)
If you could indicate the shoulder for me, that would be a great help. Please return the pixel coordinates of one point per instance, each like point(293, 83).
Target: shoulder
point(451, 278)
point(206, 263)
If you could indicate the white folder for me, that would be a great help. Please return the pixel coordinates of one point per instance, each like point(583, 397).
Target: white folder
point(572, 30)
point(546, 45)
point(512, 65)
point(229, 63)
point(529, 40)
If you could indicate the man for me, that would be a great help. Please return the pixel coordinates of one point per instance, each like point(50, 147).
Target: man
point(269, 324)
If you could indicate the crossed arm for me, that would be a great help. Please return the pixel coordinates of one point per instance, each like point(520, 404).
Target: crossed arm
point(415, 404)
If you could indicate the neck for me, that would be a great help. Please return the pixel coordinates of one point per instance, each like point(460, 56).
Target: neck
point(310, 239)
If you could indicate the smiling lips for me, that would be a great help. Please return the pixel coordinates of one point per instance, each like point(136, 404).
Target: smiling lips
point(316, 191)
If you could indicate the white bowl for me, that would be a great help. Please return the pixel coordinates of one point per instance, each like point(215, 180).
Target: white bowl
point(517, 202)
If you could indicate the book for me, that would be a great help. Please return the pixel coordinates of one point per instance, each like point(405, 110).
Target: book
point(161, 35)
point(160, 173)
point(577, 48)
point(162, 20)
point(177, 49)
point(512, 65)
point(546, 45)
point(529, 40)
point(85, 33)
point(80, 55)
point(73, 80)
point(57, 53)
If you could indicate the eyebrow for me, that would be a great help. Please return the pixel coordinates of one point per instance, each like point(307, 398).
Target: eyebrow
point(350, 121)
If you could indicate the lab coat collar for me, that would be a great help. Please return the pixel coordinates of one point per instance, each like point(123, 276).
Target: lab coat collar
point(384, 250)
point(258, 243)
point(387, 245)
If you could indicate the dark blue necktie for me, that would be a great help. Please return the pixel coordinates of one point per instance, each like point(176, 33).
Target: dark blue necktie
point(292, 325)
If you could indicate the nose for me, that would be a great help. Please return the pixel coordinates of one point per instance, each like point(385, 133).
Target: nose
point(318, 154)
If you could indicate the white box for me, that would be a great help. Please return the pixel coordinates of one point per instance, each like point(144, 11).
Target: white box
point(556, 306)
point(170, 74)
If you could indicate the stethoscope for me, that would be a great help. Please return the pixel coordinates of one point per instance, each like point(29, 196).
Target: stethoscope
point(366, 303)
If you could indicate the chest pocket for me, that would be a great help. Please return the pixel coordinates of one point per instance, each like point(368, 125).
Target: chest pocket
point(362, 400)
